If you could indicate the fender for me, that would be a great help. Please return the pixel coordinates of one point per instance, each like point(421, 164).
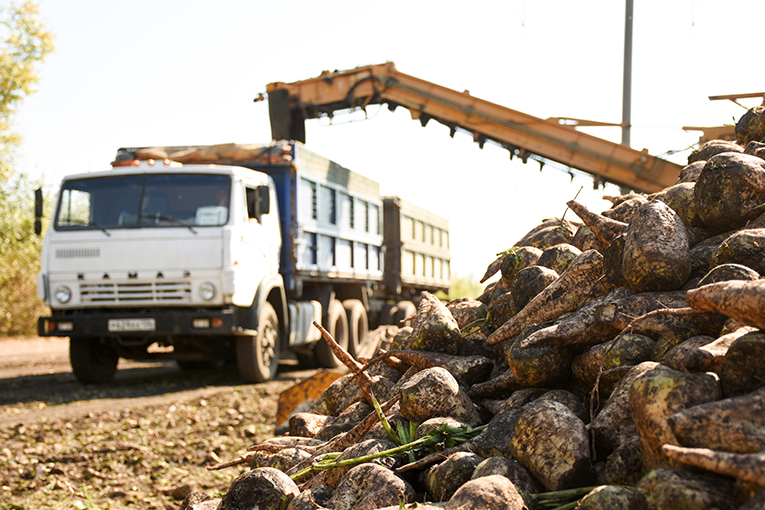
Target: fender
point(270, 288)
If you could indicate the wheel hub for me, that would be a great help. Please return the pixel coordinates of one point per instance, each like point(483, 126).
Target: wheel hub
point(268, 345)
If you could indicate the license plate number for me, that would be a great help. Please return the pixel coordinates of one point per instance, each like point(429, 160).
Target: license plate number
point(132, 325)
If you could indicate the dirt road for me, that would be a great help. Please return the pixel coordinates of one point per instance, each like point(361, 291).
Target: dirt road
point(142, 441)
point(36, 381)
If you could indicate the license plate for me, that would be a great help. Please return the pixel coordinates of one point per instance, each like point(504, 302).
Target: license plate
point(132, 325)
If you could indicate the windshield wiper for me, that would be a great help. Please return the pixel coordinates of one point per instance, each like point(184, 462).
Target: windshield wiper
point(102, 229)
point(170, 219)
point(88, 224)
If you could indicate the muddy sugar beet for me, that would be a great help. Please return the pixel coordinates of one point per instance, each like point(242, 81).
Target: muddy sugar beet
point(617, 361)
point(656, 253)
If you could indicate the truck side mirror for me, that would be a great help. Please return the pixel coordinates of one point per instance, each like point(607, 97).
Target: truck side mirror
point(263, 200)
point(38, 211)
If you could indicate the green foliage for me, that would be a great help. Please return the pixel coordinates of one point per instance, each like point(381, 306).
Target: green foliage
point(567, 499)
point(25, 42)
point(19, 258)
point(464, 286)
point(443, 437)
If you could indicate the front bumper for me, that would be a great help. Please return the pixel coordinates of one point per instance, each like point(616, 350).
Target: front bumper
point(156, 322)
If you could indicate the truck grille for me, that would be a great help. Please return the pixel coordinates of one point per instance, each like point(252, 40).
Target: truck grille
point(78, 253)
point(158, 292)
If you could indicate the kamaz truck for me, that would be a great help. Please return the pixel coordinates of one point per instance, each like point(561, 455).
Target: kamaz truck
point(218, 254)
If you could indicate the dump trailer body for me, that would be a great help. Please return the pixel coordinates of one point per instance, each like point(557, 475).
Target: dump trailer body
point(416, 248)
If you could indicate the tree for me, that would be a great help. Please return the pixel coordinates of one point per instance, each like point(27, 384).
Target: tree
point(19, 258)
point(24, 42)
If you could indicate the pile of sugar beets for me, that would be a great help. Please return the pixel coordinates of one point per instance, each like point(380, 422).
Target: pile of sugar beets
point(615, 363)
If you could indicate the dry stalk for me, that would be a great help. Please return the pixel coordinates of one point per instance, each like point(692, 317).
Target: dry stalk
point(362, 378)
point(595, 396)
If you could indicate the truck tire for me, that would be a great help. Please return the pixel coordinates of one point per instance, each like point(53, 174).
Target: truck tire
point(257, 357)
point(404, 309)
point(337, 326)
point(358, 326)
point(93, 362)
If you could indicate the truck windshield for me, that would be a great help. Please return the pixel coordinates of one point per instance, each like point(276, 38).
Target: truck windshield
point(156, 200)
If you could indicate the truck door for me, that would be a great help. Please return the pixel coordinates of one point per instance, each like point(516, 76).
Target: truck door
point(268, 215)
point(256, 259)
point(252, 260)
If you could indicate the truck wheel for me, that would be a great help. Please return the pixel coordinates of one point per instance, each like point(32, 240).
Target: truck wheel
point(337, 326)
point(404, 309)
point(93, 362)
point(257, 357)
point(358, 326)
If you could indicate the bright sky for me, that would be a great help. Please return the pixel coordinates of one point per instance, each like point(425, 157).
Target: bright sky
point(181, 73)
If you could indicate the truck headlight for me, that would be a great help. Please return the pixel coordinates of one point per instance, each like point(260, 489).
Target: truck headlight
point(207, 291)
point(63, 294)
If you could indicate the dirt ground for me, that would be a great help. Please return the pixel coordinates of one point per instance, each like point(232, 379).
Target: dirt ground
point(142, 441)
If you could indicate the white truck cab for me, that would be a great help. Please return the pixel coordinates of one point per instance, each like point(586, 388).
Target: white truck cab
point(156, 248)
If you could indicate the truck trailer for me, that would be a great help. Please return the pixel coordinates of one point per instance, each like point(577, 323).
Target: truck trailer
point(218, 254)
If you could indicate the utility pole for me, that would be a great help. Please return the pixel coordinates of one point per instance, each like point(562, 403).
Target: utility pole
point(627, 90)
point(627, 85)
